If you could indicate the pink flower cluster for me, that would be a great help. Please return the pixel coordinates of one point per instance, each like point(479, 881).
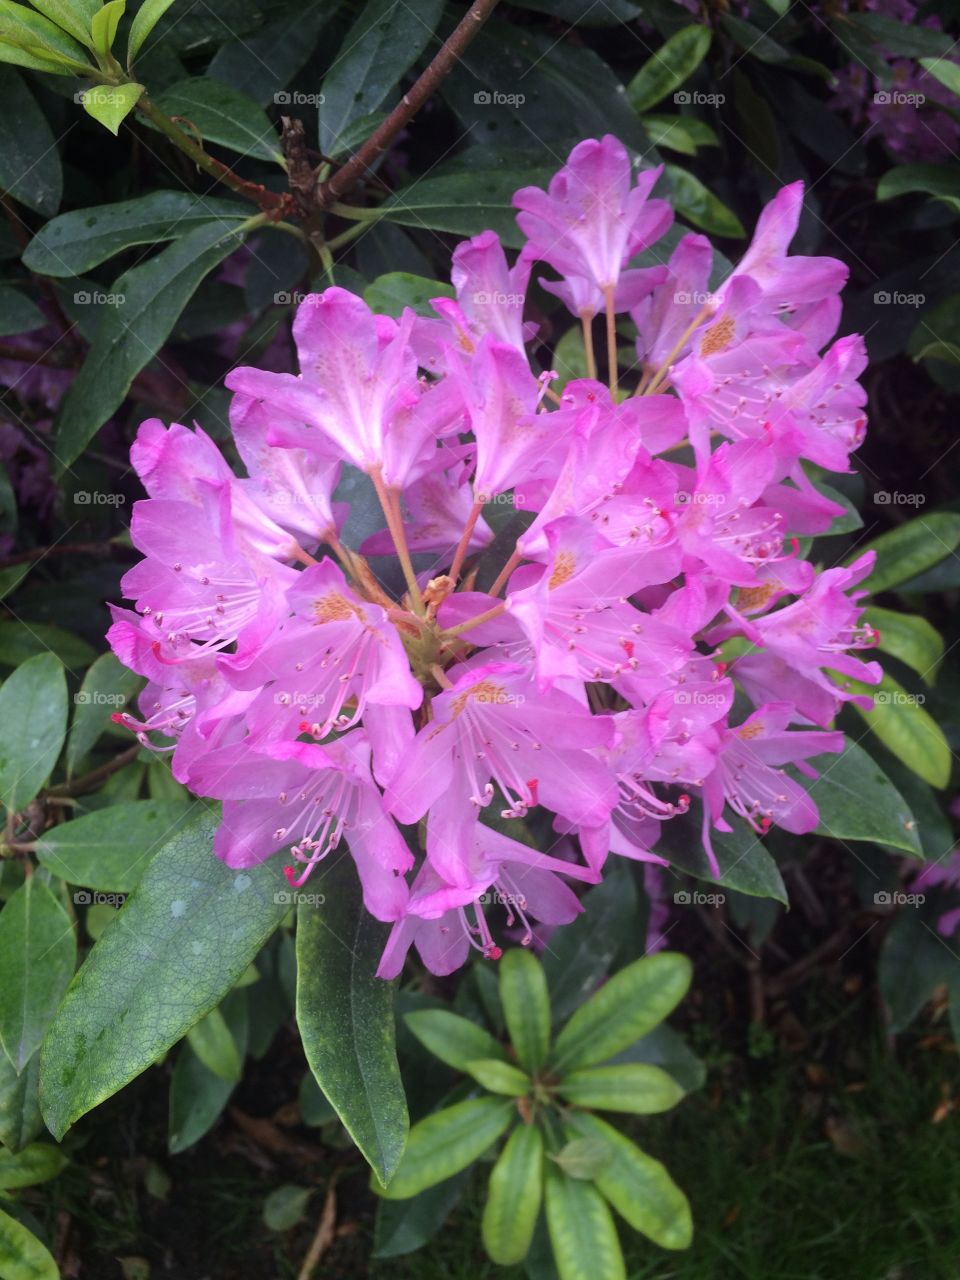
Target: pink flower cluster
point(582, 669)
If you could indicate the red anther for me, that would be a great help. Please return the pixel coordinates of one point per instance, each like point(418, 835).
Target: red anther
point(118, 718)
point(291, 874)
point(764, 824)
point(795, 543)
point(628, 647)
point(684, 801)
point(303, 726)
point(492, 951)
point(722, 667)
point(532, 784)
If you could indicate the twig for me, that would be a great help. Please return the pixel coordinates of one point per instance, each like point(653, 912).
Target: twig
point(96, 776)
point(324, 1235)
point(363, 160)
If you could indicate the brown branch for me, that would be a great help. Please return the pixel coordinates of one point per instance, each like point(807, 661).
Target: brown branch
point(336, 187)
point(96, 776)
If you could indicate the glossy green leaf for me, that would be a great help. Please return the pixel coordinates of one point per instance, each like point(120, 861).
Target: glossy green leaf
point(906, 728)
point(403, 1226)
point(29, 159)
point(672, 64)
point(33, 713)
point(39, 1162)
point(285, 1207)
point(22, 640)
point(639, 1187)
point(944, 70)
point(224, 115)
point(18, 315)
point(500, 1077)
point(108, 688)
point(69, 17)
point(110, 849)
point(197, 1099)
point(385, 40)
point(20, 1119)
point(37, 42)
point(526, 1007)
point(80, 240)
point(914, 962)
point(22, 1256)
point(693, 201)
point(665, 1048)
point(454, 1040)
point(910, 548)
point(626, 1007)
point(136, 995)
point(103, 25)
point(315, 1108)
point(513, 1197)
point(389, 294)
point(263, 62)
point(147, 17)
point(130, 333)
point(910, 638)
point(346, 1020)
point(857, 801)
point(465, 203)
point(38, 954)
point(685, 134)
point(110, 105)
point(631, 1087)
point(939, 180)
point(580, 954)
point(582, 1158)
point(211, 1041)
point(446, 1142)
point(745, 865)
point(582, 1231)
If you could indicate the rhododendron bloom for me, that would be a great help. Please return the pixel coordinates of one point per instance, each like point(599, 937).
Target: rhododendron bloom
point(646, 646)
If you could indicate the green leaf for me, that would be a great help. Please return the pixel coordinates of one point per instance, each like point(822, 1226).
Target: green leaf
point(857, 801)
point(942, 69)
point(346, 1020)
point(500, 1077)
point(22, 1256)
point(582, 1158)
point(20, 1119)
point(109, 849)
point(386, 39)
point(745, 865)
point(181, 941)
point(22, 640)
point(76, 242)
point(64, 15)
point(908, 730)
point(465, 203)
point(37, 1163)
point(446, 1142)
point(909, 549)
point(222, 114)
point(939, 180)
point(673, 63)
point(636, 1087)
point(285, 1206)
point(131, 333)
point(110, 105)
point(665, 1048)
point(680, 133)
point(38, 43)
point(403, 1226)
point(148, 15)
point(582, 1230)
point(33, 713)
point(909, 39)
point(454, 1040)
point(639, 1187)
point(626, 1007)
point(197, 1099)
point(513, 1197)
point(29, 157)
point(758, 44)
point(38, 953)
point(581, 953)
point(910, 638)
point(18, 315)
point(390, 293)
point(693, 201)
point(570, 356)
point(914, 961)
point(526, 1007)
point(103, 25)
point(211, 1041)
point(315, 1108)
point(108, 687)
